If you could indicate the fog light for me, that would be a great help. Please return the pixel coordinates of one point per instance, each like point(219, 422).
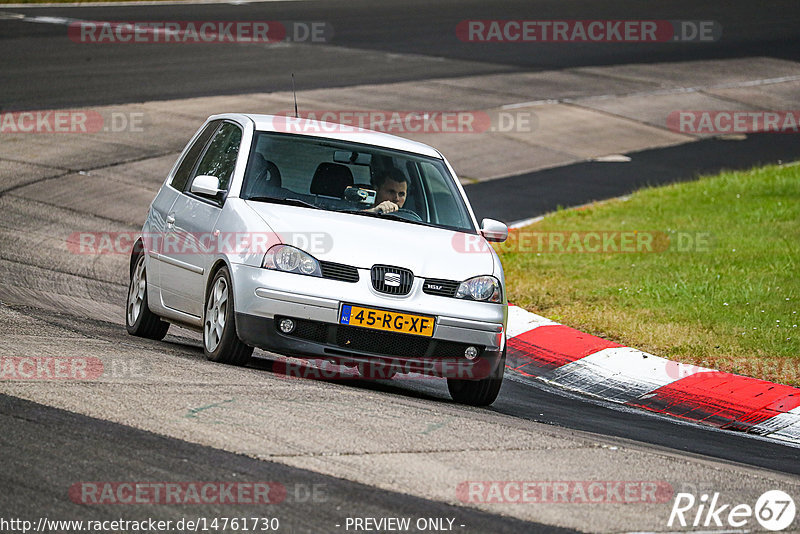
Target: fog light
point(286, 326)
point(471, 353)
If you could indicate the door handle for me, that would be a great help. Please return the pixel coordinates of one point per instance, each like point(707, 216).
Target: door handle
point(170, 220)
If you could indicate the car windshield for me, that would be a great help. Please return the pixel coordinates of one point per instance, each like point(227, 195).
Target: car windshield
point(353, 178)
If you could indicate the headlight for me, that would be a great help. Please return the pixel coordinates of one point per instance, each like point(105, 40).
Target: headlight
point(291, 260)
point(482, 288)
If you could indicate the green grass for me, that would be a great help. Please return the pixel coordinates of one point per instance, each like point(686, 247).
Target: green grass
point(733, 305)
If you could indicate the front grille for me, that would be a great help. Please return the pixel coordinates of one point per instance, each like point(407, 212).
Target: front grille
point(453, 349)
point(388, 343)
point(309, 330)
point(337, 271)
point(376, 341)
point(443, 288)
point(401, 345)
point(392, 280)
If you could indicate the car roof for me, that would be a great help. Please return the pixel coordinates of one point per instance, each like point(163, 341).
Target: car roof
point(327, 130)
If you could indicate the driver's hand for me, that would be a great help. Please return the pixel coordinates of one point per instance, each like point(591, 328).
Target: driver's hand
point(387, 206)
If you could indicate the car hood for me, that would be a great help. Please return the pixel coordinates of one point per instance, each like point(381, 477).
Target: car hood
point(363, 241)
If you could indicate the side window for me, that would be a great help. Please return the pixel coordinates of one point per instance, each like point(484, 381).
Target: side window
point(220, 158)
point(181, 178)
point(446, 207)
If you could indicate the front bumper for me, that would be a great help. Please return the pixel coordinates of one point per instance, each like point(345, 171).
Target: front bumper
point(263, 297)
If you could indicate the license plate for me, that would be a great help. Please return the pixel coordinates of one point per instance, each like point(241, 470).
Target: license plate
point(405, 323)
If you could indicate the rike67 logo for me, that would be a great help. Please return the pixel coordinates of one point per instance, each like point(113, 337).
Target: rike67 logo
point(774, 510)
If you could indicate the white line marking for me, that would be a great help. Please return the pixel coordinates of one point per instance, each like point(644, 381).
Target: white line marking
point(657, 92)
point(146, 3)
point(49, 20)
point(613, 158)
point(526, 222)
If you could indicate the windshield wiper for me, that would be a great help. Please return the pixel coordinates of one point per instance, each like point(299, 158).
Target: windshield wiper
point(360, 212)
point(286, 201)
point(412, 221)
point(381, 215)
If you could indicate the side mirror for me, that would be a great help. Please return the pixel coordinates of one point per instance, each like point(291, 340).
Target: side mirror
point(494, 230)
point(206, 185)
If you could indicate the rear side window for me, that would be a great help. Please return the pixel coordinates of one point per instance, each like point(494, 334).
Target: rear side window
point(182, 175)
point(220, 158)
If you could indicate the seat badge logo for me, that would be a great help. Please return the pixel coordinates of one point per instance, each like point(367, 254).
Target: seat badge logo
point(392, 279)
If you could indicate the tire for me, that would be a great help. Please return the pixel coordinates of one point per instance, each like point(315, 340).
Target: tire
point(220, 341)
point(139, 320)
point(481, 392)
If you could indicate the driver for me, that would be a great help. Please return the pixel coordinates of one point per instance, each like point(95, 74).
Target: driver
point(392, 188)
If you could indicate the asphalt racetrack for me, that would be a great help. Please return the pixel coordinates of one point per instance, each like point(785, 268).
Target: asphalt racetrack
point(374, 449)
point(41, 70)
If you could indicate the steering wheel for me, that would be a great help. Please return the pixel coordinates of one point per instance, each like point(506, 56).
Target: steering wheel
point(404, 213)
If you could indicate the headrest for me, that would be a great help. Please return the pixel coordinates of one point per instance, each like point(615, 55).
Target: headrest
point(331, 179)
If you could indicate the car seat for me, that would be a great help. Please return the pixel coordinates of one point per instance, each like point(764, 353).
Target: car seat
point(264, 178)
point(331, 179)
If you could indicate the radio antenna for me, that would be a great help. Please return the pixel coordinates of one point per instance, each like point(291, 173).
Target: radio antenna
point(297, 115)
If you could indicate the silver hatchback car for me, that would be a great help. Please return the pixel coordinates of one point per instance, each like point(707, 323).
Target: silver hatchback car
point(323, 241)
